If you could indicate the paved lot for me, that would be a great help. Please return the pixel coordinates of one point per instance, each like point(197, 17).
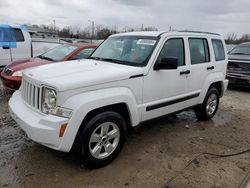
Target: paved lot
point(155, 154)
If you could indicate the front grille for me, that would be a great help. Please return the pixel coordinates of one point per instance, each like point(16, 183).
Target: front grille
point(31, 94)
point(239, 67)
point(7, 71)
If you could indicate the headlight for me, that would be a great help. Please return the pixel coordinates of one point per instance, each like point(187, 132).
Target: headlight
point(18, 73)
point(49, 105)
point(48, 100)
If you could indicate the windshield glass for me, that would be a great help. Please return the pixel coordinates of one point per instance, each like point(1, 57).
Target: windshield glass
point(58, 53)
point(129, 50)
point(242, 49)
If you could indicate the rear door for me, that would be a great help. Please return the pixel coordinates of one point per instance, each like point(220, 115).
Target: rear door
point(23, 45)
point(200, 66)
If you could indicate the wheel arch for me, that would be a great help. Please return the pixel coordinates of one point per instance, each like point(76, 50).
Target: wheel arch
point(218, 85)
point(120, 108)
point(213, 80)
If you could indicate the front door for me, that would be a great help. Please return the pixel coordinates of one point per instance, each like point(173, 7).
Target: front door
point(164, 91)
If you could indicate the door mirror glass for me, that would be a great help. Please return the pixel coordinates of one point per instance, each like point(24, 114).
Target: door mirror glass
point(167, 63)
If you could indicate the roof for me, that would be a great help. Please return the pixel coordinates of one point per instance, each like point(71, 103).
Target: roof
point(141, 33)
point(158, 33)
point(17, 26)
point(12, 25)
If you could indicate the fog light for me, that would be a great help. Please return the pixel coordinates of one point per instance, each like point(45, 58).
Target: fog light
point(62, 129)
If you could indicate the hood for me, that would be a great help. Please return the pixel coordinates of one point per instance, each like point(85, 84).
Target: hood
point(81, 73)
point(27, 63)
point(239, 57)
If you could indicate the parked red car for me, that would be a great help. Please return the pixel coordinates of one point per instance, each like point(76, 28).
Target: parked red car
point(11, 75)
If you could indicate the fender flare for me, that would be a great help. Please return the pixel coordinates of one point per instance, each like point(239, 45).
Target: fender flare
point(86, 102)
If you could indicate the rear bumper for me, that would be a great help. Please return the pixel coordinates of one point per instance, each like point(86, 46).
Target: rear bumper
point(225, 86)
point(41, 128)
point(11, 82)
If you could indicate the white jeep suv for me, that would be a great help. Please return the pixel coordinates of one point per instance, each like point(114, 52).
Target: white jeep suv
point(89, 105)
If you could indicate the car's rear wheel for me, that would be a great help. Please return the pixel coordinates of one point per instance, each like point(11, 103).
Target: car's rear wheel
point(210, 105)
point(102, 139)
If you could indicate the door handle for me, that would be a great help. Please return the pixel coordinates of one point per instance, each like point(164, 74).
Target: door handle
point(185, 72)
point(6, 47)
point(210, 68)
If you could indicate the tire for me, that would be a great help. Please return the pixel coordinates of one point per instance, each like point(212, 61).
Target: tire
point(102, 139)
point(210, 105)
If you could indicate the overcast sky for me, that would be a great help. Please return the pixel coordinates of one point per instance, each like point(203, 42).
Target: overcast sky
point(220, 16)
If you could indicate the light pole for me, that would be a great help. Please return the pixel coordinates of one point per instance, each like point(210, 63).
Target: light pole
point(92, 29)
point(54, 25)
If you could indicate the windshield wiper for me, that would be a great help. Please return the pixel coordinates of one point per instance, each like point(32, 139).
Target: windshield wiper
point(106, 59)
point(112, 60)
point(95, 58)
point(46, 58)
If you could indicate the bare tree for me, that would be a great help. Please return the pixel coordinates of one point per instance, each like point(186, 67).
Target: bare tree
point(101, 32)
point(244, 38)
point(231, 38)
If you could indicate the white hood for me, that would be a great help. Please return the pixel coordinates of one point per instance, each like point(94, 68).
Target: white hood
point(81, 73)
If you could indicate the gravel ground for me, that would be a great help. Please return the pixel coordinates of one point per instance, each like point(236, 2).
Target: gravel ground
point(158, 154)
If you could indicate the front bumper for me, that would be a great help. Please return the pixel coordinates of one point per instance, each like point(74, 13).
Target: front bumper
point(41, 128)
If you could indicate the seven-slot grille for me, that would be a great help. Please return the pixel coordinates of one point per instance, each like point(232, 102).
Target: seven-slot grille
point(239, 67)
point(31, 94)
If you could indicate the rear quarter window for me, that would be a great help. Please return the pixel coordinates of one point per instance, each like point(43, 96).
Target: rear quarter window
point(219, 51)
point(19, 35)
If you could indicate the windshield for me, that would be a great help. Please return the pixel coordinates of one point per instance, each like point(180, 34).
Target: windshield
point(58, 53)
point(242, 49)
point(129, 50)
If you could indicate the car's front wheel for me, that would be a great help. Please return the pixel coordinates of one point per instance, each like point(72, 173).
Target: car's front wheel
point(102, 139)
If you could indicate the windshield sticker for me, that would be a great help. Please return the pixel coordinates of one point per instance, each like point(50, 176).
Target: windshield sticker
point(146, 42)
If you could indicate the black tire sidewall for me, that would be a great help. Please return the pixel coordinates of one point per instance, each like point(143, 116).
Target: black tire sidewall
point(86, 158)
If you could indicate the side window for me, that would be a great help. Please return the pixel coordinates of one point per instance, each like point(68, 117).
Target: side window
point(219, 51)
point(199, 52)
point(173, 48)
point(19, 35)
point(7, 35)
point(83, 54)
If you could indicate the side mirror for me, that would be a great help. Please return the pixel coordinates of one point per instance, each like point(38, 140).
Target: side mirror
point(168, 63)
point(5, 47)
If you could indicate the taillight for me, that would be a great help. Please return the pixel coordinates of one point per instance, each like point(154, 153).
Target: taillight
point(226, 71)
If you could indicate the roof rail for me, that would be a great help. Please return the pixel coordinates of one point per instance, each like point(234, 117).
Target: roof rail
point(201, 32)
